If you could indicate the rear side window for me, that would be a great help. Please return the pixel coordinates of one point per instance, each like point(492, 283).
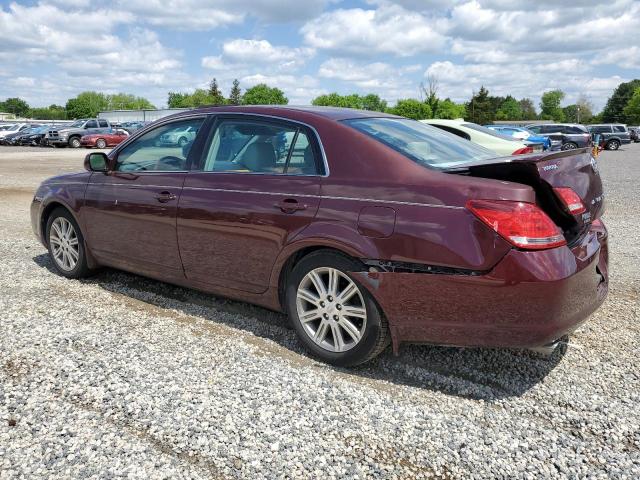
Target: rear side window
point(575, 129)
point(601, 129)
point(424, 144)
point(552, 129)
point(619, 128)
point(103, 123)
point(246, 146)
point(535, 129)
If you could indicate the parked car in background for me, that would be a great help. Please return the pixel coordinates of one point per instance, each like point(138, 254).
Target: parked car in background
point(16, 138)
point(572, 135)
point(15, 128)
point(104, 140)
point(35, 137)
point(613, 134)
point(494, 141)
point(367, 228)
point(133, 126)
point(520, 133)
point(179, 137)
point(70, 135)
point(634, 134)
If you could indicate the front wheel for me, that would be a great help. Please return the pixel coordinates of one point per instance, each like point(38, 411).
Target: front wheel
point(334, 316)
point(74, 142)
point(569, 146)
point(101, 143)
point(613, 145)
point(66, 244)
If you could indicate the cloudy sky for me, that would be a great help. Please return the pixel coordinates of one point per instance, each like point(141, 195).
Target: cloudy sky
point(53, 49)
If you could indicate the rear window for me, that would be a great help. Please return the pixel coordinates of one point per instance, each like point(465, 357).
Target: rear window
point(424, 144)
point(488, 131)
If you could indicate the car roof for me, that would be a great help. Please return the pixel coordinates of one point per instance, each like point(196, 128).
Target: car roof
point(333, 113)
point(444, 121)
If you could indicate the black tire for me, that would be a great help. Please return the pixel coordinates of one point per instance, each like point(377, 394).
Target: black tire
point(182, 142)
point(81, 269)
point(101, 143)
point(74, 142)
point(376, 335)
point(569, 146)
point(612, 145)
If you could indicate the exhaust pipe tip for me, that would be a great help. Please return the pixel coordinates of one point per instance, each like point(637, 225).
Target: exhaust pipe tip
point(546, 350)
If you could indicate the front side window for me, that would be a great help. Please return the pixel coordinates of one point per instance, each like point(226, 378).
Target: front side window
point(424, 144)
point(246, 146)
point(165, 148)
point(91, 124)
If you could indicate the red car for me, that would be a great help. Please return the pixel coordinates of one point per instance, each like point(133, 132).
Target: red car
point(104, 140)
point(366, 228)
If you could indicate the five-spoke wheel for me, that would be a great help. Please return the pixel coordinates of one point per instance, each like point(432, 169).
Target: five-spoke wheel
point(66, 244)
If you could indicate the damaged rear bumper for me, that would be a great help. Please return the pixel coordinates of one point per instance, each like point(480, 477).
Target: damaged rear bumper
point(529, 299)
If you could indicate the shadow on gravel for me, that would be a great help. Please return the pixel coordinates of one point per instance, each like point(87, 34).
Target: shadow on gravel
point(474, 373)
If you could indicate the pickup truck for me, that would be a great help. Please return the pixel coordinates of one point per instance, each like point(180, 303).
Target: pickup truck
point(613, 134)
point(70, 135)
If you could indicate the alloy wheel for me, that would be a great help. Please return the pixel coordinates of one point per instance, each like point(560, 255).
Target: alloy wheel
point(64, 244)
point(331, 309)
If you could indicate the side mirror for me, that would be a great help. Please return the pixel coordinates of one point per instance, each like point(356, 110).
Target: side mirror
point(96, 162)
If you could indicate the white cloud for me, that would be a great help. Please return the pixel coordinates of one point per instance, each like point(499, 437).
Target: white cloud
point(387, 29)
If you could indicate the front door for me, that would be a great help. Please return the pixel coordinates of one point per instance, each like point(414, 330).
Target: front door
point(256, 188)
point(130, 213)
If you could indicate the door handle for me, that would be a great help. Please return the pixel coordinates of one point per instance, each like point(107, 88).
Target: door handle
point(290, 205)
point(164, 197)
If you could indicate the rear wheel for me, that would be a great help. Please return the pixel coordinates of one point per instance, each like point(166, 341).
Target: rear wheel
point(613, 145)
point(569, 146)
point(100, 143)
point(335, 317)
point(66, 244)
point(74, 142)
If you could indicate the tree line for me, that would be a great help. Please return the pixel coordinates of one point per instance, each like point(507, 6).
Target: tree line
point(623, 106)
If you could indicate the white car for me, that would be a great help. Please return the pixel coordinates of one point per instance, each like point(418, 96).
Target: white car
point(486, 137)
point(15, 128)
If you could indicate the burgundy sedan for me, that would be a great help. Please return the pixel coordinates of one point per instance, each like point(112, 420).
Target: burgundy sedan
point(104, 140)
point(367, 229)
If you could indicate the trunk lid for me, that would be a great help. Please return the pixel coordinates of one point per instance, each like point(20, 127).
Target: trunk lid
point(576, 169)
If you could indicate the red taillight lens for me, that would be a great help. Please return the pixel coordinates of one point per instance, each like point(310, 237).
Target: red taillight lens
point(523, 150)
point(524, 225)
point(571, 200)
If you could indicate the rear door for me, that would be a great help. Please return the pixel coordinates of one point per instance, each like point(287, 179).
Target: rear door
point(130, 213)
point(257, 186)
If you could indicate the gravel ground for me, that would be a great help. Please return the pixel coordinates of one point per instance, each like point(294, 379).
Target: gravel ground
point(120, 376)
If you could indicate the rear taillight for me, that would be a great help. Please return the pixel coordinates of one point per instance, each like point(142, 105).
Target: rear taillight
point(522, 224)
point(523, 150)
point(571, 200)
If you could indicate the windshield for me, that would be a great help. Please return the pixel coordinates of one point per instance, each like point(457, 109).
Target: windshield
point(76, 124)
point(426, 145)
point(488, 131)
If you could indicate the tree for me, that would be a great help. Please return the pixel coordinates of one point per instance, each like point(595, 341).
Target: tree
point(235, 95)
point(528, 109)
point(509, 109)
point(15, 105)
point(430, 92)
point(480, 108)
point(374, 103)
point(632, 109)
point(450, 110)
point(550, 106)
point(579, 112)
point(87, 105)
point(262, 94)
point(215, 94)
point(52, 112)
point(125, 101)
point(614, 109)
point(412, 108)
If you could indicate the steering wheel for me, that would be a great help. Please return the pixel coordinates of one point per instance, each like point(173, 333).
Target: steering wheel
point(171, 161)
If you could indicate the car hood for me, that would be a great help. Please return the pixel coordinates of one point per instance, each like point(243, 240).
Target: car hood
point(77, 177)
